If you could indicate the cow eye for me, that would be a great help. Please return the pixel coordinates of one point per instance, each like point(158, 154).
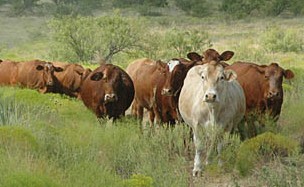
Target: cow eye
point(203, 77)
point(266, 77)
point(222, 77)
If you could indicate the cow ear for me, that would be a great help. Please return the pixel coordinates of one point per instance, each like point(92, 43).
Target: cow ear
point(226, 55)
point(58, 69)
point(230, 75)
point(194, 56)
point(288, 74)
point(97, 76)
point(39, 67)
point(160, 65)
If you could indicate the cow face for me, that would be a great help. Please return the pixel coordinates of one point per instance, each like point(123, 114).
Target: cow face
point(274, 78)
point(162, 67)
point(214, 78)
point(47, 70)
point(176, 76)
point(109, 79)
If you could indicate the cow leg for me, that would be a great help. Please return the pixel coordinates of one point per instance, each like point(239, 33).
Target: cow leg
point(151, 118)
point(197, 169)
point(219, 151)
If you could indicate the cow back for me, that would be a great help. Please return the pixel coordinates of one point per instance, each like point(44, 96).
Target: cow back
point(70, 79)
point(8, 73)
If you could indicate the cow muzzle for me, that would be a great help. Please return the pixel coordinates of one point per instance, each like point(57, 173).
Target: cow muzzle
point(50, 83)
point(273, 94)
point(110, 98)
point(167, 92)
point(210, 97)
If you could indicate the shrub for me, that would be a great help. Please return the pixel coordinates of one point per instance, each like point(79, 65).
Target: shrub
point(82, 38)
point(196, 8)
point(183, 42)
point(288, 172)
point(25, 179)
point(231, 145)
point(276, 39)
point(262, 149)
point(17, 138)
point(138, 180)
point(238, 8)
point(13, 112)
point(129, 3)
point(244, 8)
point(21, 7)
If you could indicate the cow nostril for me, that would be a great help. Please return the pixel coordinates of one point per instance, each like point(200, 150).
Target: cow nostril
point(273, 94)
point(166, 91)
point(210, 97)
point(110, 97)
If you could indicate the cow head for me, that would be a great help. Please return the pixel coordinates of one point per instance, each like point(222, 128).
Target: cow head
point(108, 78)
point(162, 67)
point(79, 75)
point(47, 70)
point(211, 55)
point(214, 78)
point(273, 75)
point(178, 69)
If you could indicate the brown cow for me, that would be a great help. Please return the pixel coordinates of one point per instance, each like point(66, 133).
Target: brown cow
point(8, 73)
point(37, 74)
point(70, 79)
point(262, 85)
point(34, 74)
point(148, 77)
point(108, 91)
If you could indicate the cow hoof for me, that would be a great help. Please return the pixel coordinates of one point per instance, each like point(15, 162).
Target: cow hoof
point(197, 172)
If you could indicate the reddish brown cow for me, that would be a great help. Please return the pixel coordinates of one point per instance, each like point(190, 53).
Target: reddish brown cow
point(262, 85)
point(34, 74)
point(37, 74)
point(108, 91)
point(148, 77)
point(8, 73)
point(70, 79)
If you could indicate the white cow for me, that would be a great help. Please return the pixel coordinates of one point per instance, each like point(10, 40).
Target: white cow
point(210, 96)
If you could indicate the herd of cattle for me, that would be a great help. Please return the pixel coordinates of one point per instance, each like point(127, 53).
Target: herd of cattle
point(202, 90)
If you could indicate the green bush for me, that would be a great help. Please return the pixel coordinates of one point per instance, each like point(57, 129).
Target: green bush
point(25, 179)
point(181, 42)
point(83, 38)
point(138, 180)
point(21, 7)
point(17, 138)
point(263, 148)
point(196, 8)
point(13, 112)
point(276, 39)
point(231, 145)
point(130, 3)
point(260, 8)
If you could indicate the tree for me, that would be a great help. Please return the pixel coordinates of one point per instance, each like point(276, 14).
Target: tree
point(82, 38)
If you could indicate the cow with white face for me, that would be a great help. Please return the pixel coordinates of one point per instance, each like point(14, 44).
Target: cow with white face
point(210, 97)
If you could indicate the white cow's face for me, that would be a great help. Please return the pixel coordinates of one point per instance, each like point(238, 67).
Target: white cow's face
point(214, 78)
